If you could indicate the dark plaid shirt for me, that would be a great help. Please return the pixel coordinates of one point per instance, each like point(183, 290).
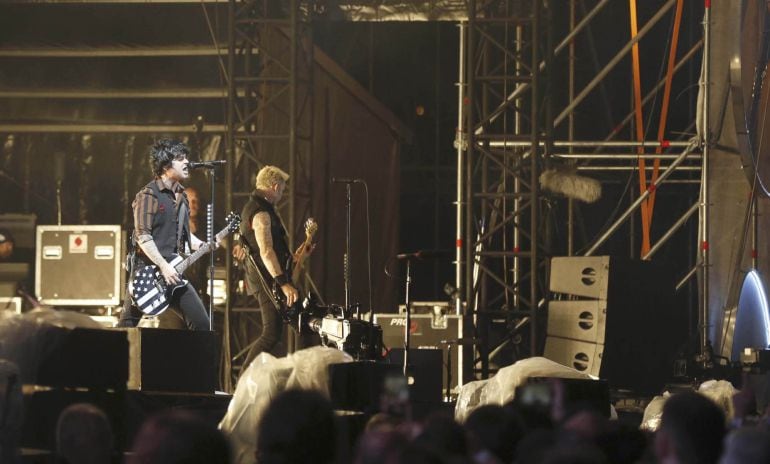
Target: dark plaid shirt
point(145, 206)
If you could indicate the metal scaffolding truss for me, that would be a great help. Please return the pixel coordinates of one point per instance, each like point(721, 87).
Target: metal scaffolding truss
point(506, 123)
point(500, 206)
point(269, 111)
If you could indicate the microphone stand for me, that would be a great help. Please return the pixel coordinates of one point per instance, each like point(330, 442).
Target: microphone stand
point(408, 325)
point(209, 239)
point(58, 200)
point(347, 252)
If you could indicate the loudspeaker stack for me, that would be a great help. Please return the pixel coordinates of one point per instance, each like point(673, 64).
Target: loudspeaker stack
point(616, 319)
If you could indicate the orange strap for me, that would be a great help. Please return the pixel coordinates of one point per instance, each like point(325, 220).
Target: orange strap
point(639, 120)
point(666, 98)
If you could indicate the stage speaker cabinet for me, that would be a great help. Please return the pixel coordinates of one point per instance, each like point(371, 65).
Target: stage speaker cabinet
point(428, 331)
point(86, 358)
point(615, 318)
point(425, 372)
point(358, 385)
point(168, 360)
point(585, 276)
point(79, 265)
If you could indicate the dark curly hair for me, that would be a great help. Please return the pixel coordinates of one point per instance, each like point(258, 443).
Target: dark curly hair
point(163, 153)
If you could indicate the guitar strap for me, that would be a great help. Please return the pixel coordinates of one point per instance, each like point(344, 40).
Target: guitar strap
point(183, 229)
point(265, 287)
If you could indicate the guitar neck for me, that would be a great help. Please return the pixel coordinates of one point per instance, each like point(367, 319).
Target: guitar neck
point(298, 265)
point(202, 250)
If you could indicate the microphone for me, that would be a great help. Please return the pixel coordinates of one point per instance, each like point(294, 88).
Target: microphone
point(205, 164)
point(420, 254)
point(565, 180)
point(462, 341)
point(345, 180)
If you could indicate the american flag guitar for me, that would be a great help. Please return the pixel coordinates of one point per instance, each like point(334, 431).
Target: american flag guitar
point(148, 288)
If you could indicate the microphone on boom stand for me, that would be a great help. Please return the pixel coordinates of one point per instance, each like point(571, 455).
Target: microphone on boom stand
point(205, 164)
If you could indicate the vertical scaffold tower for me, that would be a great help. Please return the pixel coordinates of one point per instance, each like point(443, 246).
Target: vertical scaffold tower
point(269, 114)
point(500, 244)
point(507, 135)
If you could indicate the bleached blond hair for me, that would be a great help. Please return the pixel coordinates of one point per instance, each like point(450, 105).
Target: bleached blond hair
point(269, 175)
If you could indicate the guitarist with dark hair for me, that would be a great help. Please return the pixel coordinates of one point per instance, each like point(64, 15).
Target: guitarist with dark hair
point(268, 261)
point(161, 231)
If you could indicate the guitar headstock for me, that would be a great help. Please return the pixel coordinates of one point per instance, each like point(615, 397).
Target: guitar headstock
point(311, 227)
point(233, 221)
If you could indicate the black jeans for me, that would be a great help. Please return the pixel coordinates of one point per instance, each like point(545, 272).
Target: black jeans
point(272, 328)
point(185, 300)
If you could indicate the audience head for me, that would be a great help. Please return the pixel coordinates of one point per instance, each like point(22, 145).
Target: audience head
point(623, 443)
point(443, 435)
point(747, 444)
point(530, 417)
point(493, 428)
point(83, 435)
point(383, 422)
point(535, 444)
point(11, 411)
point(298, 427)
point(587, 424)
point(176, 437)
point(691, 430)
point(581, 453)
point(417, 453)
point(380, 446)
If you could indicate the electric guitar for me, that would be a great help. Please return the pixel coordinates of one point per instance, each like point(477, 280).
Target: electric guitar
point(289, 314)
point(148, 287)
point(311, 227)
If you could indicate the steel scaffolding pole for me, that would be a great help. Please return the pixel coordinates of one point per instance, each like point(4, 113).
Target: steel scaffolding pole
point(227, 378)
point(461, 147)
point(640, 199)
point(534, 265)
point(613, 62)
point(501, 206)
point(703, 313)
point(269, 118)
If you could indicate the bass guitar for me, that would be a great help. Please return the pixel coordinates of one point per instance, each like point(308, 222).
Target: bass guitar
point(311, 227)
point(148, 287)
point(289, 314)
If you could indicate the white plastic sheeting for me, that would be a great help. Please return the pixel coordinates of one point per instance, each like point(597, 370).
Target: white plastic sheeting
point(262, 381)
point(501, 388)
point(720, 392)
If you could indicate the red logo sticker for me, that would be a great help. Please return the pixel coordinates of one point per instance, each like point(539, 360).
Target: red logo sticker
point(162, 208)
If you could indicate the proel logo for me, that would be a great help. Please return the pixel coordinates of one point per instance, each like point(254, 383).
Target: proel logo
point(401, 322)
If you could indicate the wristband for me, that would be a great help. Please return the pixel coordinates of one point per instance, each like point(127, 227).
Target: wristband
point(282, 279)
